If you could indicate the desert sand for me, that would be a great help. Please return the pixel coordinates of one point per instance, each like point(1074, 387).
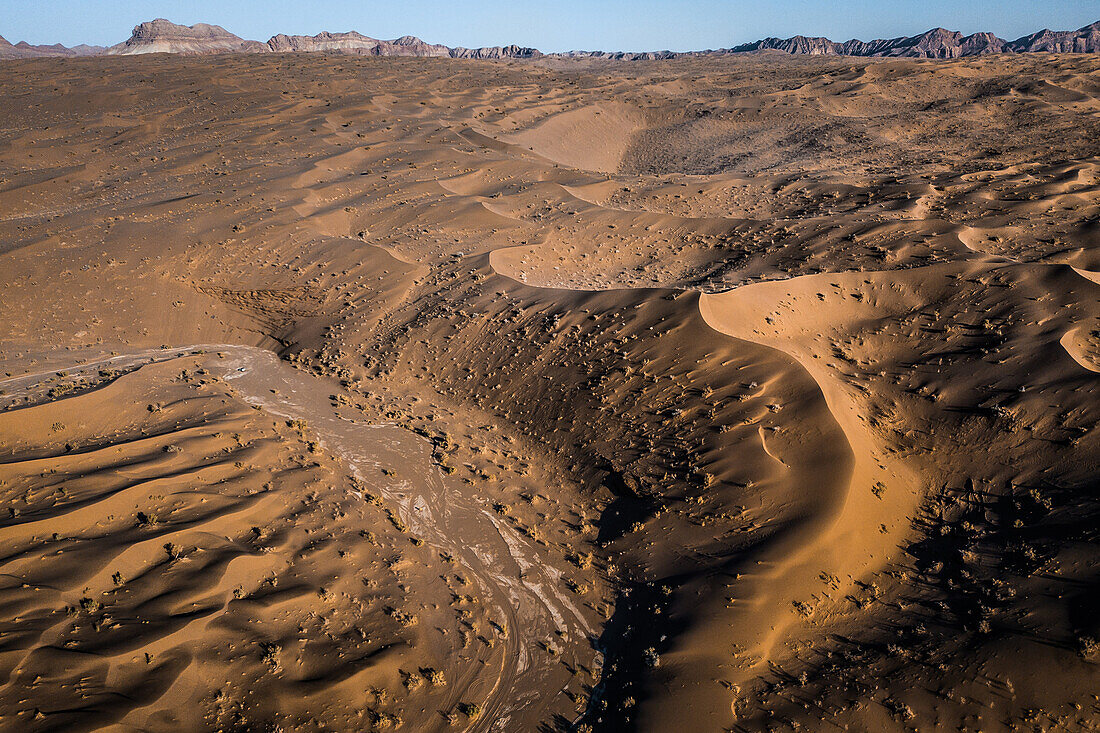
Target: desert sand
point(743, 393)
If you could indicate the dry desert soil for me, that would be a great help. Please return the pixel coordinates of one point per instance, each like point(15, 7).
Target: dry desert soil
point(351, 394)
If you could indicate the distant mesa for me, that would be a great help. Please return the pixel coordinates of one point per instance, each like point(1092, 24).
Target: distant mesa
point(496, 52)
point(163, 36)
point(351, 42)
point(358, 44)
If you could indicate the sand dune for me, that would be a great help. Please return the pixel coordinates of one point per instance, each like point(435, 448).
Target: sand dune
point(591, 138)
point(723, 393)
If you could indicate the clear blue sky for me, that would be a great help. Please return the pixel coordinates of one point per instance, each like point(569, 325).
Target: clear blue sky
point(550, 25)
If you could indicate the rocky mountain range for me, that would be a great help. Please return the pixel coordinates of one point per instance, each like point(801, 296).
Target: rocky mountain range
point(24, 50)
point(163, 36)
point(938, 43)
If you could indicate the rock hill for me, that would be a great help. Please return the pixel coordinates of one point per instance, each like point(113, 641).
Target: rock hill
point(163, 36)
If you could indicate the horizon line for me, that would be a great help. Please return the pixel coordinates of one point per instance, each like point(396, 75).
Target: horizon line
point(557, 52)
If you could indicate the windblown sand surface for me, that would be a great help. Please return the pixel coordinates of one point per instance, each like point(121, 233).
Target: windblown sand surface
point(725, 394)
